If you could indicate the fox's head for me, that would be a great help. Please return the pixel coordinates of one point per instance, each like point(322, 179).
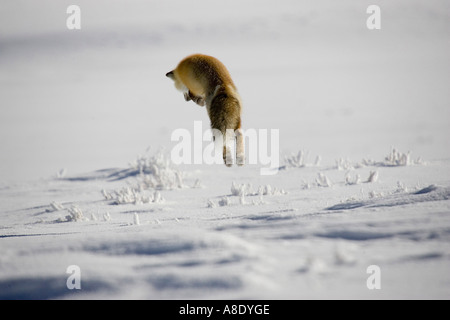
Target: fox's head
point(178, 84)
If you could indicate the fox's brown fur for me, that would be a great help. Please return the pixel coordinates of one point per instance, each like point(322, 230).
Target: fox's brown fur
point(206, 81)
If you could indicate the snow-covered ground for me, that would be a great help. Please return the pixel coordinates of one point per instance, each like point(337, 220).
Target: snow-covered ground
point(86, 118)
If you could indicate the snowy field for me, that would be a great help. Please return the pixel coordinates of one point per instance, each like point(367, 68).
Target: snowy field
point(363, 177)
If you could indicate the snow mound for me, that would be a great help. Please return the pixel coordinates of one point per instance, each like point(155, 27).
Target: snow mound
point(428, 194)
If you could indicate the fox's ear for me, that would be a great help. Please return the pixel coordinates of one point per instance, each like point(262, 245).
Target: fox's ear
point(169, 74)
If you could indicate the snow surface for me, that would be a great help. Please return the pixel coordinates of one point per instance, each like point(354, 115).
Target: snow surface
point(364, 153)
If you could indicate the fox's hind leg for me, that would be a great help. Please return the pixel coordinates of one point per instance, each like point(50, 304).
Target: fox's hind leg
point(229, 139)
point(240, 148)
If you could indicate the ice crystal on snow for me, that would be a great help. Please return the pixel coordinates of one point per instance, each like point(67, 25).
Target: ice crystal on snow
point(394, 159)
point(373, 176)
point(133, 196)
point(55, 206)
point(225, 201)
point(157, 172)
point(75, 215)
point(322, 180)
point(153, 173)
point(300, 160)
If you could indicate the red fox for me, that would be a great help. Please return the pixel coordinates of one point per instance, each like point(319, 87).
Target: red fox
point(206, 81)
